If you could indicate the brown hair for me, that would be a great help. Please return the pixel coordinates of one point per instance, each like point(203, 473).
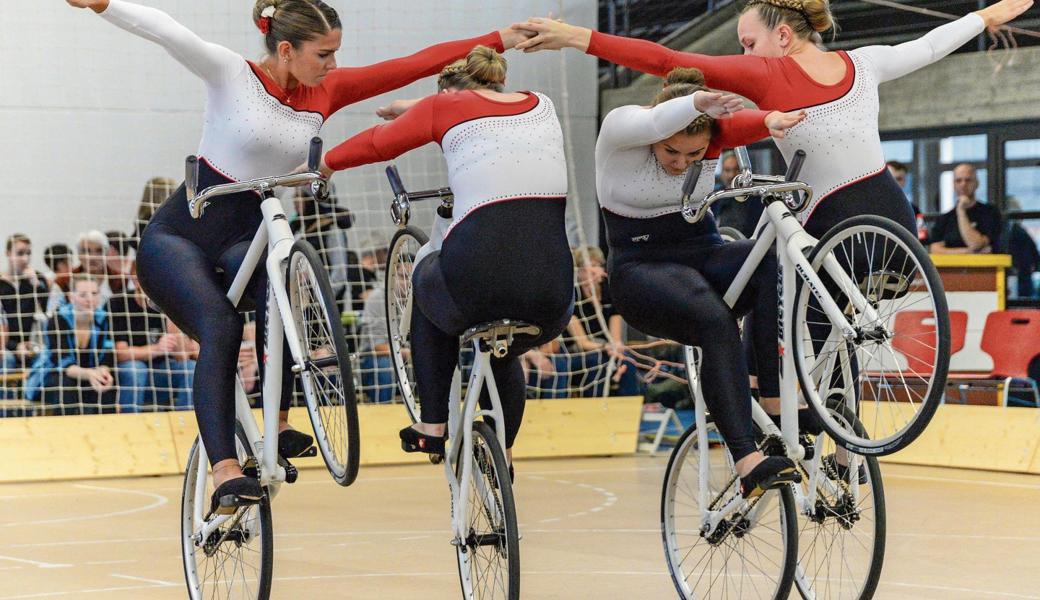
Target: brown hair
point(482, 69)
point(156, 191)
point(454, 77)
point(295, 21)
point(804, 17)
point(16, 238)
point(684, 82)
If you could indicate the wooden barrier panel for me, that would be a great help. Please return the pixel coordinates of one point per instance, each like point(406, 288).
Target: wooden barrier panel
point(81, 447)
point(46, 448)
point(974, 437)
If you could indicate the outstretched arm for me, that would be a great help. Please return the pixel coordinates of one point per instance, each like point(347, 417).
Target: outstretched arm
point(411, 130)
point(213, 63)
point(745, 75)
point(353, 84)
point(633, 126)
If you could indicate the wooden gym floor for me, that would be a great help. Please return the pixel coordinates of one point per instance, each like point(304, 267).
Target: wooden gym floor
point(590, 530)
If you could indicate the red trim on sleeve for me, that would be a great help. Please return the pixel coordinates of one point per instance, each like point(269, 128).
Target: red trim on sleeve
point(749, 76)
point(348, 85)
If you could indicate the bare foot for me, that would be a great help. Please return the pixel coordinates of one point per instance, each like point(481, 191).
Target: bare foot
point(226, 470)
point(748, 463)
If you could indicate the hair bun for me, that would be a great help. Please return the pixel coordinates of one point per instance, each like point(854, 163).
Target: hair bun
point(485, 65)
point(684, 75)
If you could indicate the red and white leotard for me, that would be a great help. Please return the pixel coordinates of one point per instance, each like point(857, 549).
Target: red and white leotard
point(496, 151)
point(840, 134)
point(254, 128)
point(629, 180)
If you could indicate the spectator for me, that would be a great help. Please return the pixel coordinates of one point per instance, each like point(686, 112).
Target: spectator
point(156, 191)
point(324, 225)
point(93, 248)
point(23, 297)
point(74, 368)
point(972, 227)
point(594, 344)
point(117, 259)
point(1025, 258)
point(742, 216)
point(900, 172)
point(377, 371)
point(364, 274)
point(152, 362)
point(58, 258)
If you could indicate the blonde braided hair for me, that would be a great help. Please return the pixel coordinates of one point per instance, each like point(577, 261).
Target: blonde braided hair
point(805, 17)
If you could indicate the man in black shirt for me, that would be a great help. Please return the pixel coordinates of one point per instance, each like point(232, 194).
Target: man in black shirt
point(971, 227)
point(23, 296)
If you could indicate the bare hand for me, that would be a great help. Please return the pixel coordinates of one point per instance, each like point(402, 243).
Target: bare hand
point(552, 34)
point(97, 6)
point(511, 37)
point(779, 122)
point(1002, 12)
point(323, 168)
point(965, 202)
point(100, 379)
point(717, 105)
point(395, 109)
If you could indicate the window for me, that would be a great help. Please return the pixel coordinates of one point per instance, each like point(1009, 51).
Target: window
point(1019, 149)
point(964, 148)
point(901, 150)
point(1023, 188)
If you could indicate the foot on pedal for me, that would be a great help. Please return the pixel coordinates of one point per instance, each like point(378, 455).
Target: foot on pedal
point(808, 421)
point(293, 444)
point(234, 494)
point(413, 440)
point(833, 468)
point(771, 473)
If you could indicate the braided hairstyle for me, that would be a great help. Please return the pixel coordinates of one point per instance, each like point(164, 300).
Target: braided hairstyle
point(806, 18)
point(681, 82)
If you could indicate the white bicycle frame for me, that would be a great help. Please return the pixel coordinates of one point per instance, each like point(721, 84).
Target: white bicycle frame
point(459, 444)
point(793, 245)
point(275, 236)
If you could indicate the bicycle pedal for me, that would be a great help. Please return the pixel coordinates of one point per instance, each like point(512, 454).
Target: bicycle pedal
point(309, 452)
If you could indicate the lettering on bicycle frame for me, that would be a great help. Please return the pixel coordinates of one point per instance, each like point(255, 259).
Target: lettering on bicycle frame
point(780, 307)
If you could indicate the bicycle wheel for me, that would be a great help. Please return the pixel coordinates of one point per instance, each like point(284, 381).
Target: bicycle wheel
point(489, 556)
point(893, 377)
point(328, 383)
point(841, 545)
point(236, 559)
point(399, 263)
point(731, 234)
point(751, 554)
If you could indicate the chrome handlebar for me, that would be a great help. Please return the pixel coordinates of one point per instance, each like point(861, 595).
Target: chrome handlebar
point(401, 208)
point(794, 194)
point(197, 202)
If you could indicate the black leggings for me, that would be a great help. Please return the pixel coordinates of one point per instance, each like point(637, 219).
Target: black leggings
point(676, 293)
point(179, 271)
point(507, 260)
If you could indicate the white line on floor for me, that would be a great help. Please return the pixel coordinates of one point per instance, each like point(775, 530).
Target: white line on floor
point(1022, 486)
point(159, 501)
point(36, 563)
point(158, 582)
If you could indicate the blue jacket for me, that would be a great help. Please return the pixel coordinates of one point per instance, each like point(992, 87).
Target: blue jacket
point(60, 351)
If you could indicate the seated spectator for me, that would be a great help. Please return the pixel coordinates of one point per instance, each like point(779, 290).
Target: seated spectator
point(93, 250)
point(155, 363)
point(742, 216)
point(23, 296)
point(1025, 258)
point(594, 345)
point(118, 260)
point(972, 227)
point(324, 225)
point(58, 258)
point(74, 370)
point(156, 191)
point(377, 369)
point(364, 274)
point(901, 172)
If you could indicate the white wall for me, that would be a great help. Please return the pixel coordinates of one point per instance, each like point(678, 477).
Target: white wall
point(89, 112)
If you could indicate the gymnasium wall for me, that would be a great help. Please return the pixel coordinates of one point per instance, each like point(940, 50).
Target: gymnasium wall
point(89, 112)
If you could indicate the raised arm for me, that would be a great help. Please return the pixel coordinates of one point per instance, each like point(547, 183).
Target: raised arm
point(633, 126)
point(411, 130)
point(749, 126)
point(745, 75)
point(213, 63)
point(893, 62)
point(353, 84)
